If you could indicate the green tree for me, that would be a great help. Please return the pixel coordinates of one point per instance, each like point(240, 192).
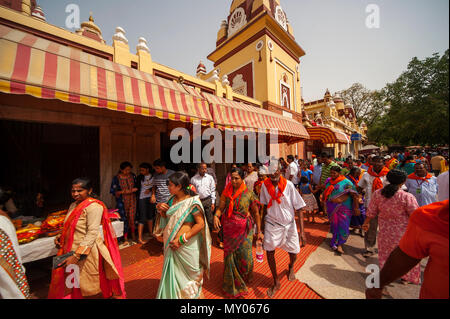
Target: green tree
point(417, 102)
point(368, 105)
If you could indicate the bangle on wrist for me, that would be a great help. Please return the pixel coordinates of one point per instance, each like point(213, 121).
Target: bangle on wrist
point(184, 238)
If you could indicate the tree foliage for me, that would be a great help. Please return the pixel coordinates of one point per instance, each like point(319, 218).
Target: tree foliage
point(417, 102)
point(412, 110)
point(368, 105)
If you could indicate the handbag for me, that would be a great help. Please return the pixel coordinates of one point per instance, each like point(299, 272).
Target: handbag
point(58, 261)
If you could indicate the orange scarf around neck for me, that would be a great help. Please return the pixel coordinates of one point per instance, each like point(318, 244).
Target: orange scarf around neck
point(377, 183)
point(330, 188)
point(414, 176)
point(228, 192)
point(271, 190)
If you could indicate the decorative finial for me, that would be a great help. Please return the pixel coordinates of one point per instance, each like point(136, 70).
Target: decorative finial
point(215, 76)
point(225, 80)
point(120, 35)
point(90, 16)
point(142, 45)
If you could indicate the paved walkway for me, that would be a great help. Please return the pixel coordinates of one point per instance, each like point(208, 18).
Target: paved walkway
point(344, 277)
point(322, 273)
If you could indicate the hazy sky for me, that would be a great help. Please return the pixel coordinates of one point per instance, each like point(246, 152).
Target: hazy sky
point(340, 49)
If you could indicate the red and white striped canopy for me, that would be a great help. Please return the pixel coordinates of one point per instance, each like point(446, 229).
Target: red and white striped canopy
point(327, 135)
point(45, 69)
point(229, 114)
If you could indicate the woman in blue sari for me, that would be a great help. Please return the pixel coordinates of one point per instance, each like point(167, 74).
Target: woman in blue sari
point(187, 241)
point(342, 202)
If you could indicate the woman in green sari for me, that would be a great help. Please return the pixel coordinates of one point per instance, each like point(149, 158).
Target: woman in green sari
point(238, 212)
point(187, 241)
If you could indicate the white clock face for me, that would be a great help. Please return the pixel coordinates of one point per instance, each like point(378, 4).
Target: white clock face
point(280, 16)
point(237, 21)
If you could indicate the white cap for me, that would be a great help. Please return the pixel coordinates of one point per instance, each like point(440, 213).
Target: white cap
point(264, 170)
point(274, 165)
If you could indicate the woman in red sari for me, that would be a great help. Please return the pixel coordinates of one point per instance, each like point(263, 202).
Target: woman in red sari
point(237, 213)
point(97, 257)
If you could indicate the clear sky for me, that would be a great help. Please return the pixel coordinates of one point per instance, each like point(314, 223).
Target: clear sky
point(340, 49)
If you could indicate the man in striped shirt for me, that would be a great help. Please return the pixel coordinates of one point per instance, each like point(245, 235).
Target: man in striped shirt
point(327, 164)
point(161, 192)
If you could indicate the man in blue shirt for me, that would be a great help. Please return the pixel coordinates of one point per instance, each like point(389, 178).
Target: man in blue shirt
point(422, 185)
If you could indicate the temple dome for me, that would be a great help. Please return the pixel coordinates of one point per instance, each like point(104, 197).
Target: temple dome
point(90, 30)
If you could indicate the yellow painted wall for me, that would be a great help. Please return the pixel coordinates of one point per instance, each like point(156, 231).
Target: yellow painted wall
point(282, 63)
point(242, 58)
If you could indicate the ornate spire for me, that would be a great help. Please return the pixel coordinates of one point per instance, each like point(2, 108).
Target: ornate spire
point(38, 13)
point(201, 69)
point(90, 30)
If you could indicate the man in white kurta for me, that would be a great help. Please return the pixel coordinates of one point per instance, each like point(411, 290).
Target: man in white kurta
point(280, 227)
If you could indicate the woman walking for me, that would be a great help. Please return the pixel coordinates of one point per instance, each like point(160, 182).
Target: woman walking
point(393, 206)
point(95, 250)
point(357, 221)
point(342, 201)
point(187, 241)
point(124, 188)
point(239, 211)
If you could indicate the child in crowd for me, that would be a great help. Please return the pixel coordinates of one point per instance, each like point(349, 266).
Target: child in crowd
point(307, 193)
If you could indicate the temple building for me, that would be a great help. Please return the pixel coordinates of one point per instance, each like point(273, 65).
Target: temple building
point(256, 52)
point(71, 105)
point(333, 127)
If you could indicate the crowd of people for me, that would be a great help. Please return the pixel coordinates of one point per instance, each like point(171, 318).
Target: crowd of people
point(377, 196)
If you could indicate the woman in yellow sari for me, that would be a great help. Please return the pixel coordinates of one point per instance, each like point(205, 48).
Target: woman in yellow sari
point(187, 241)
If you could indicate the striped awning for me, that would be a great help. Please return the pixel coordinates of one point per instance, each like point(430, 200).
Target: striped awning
point(327, 135)
point(45, 69)
point(229, 114)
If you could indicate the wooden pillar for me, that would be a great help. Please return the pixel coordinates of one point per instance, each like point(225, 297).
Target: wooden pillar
point(106, 165)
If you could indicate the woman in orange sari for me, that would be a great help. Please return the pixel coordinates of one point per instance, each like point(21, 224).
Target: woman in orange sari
point(97, 257)
point(237, 213)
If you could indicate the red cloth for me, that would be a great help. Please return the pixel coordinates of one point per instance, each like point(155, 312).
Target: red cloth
point(109, 287)
point(228, 192)
point(414, 176)
point(330, 188)
point(427, 236)
point(257, 186)
point(271, 190)
point(377, 183)
point(354, 180)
